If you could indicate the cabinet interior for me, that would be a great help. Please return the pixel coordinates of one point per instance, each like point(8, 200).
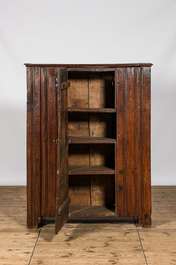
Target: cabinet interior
point(92, 137)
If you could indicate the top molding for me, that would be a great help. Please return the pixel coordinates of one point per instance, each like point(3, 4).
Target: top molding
point(90, 65)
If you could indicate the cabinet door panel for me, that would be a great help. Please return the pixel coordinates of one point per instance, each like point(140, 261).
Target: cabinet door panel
point(62, 198)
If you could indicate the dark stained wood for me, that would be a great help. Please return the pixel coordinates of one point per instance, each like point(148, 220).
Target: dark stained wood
point(137, 143)
point(91, 65)
point(94, 110)
point(36, 147)
point(90, 170)
point(107, 126)
point(145, 145)
point(63, 205)
point(90, 211)
point(90, 140)
point(65, 85)
point(44, 144)
point(30, 222)
point(33, 146)
point(120, 188)
point(62, 198)
point(52, 135)
point(91, 69)
point(130, 171)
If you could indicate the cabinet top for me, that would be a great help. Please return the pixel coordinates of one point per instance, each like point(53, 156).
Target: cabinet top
point(91, 65)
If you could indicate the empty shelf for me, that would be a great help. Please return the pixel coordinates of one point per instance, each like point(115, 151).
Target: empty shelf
point(90, 211)
point(90, 170)
point(101, 110)
point(90, 140)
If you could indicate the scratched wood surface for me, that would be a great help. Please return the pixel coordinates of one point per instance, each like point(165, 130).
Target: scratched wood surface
point(133, 173)
point(87, 241)
point(126, 91)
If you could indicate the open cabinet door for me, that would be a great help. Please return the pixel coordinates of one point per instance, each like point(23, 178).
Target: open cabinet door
point(62, 198)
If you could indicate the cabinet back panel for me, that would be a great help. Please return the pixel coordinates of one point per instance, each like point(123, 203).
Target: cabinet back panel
point(78, 95)
point(96, 189)
point(79, 190)
point(102, 190)
point(91, 90)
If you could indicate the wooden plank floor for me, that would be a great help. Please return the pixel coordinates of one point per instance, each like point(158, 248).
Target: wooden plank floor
point(88, 242)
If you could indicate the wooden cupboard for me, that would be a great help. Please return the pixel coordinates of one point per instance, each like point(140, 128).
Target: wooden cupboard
point(88, 142)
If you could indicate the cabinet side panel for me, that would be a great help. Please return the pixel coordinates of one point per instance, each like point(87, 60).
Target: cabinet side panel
point(130, 176)
point(120, 188)
point(36, 140)
point(145, 146)
point(138, 142)
point(52, 136)
point(30, 215)
point(33, 146)
point(44, 141)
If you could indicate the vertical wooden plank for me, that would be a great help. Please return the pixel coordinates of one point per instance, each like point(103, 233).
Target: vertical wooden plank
point(62, 152)
point(130, 177)
point(44, 140)
point(78, 92)
point(78, 125)
point(52, 136)
point(36, 146)
point(29, 145)
point(137, 153)
point(145, 145)
point(120, 185)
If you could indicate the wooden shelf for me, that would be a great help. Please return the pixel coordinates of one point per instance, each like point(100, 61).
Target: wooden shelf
point(90, 211)
point(90, 140)
point(90, 170)
point(94, 110)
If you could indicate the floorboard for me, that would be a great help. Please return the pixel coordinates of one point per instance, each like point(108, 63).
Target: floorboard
point(88, 241)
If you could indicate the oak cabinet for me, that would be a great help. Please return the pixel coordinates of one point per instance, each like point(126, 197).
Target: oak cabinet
point(88, 142)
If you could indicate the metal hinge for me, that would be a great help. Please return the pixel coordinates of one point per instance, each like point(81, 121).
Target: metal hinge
point(55, 141)
point(57, 82)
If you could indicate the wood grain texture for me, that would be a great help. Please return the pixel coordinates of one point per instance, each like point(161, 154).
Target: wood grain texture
point(61, 186)
point(44, 143)
point(79, 189)
point(91, 65)
point(120, 185)
point(109, 133)
point(133, 197)
point(90, 170)
point(138, 176)
point(78, 92)
point(146, 156)
point(52, 135)
point(94, 110)
point(29, 147)
point(130, 174)
point(90, 140)
point(88, 241)
point(33, 146)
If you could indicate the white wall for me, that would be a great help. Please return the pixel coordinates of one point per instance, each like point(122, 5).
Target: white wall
point(87, 31)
